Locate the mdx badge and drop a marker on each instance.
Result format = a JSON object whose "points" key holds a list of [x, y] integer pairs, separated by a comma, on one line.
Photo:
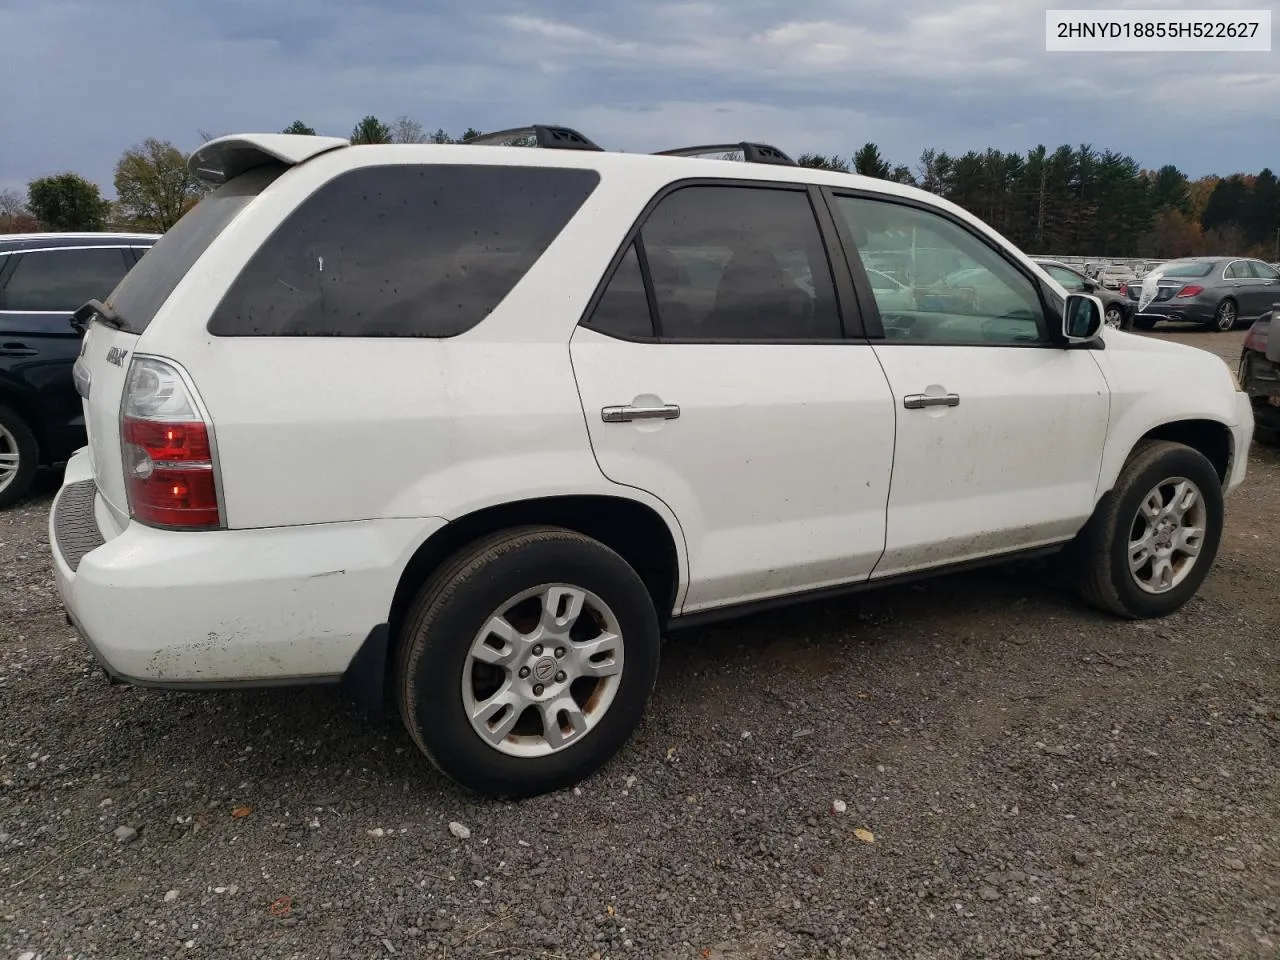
{"points": [[116, 355]]}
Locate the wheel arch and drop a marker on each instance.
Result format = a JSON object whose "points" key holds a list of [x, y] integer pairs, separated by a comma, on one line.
{"points": [[1211, 437], [17, 400], [635, 530]]}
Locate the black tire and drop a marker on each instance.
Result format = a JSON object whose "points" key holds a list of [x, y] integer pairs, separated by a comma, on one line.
{"points": [[14, 431], [1098, 559], [1227, 313], [458, 600], [1143, 323], [1123, 323]]}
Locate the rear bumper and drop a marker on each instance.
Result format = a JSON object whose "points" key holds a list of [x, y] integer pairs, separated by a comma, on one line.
{"points": [[235, 607], [1190, 312]]}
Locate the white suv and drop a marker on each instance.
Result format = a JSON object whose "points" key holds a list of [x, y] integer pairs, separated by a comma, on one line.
{"points": [[473, 425]]}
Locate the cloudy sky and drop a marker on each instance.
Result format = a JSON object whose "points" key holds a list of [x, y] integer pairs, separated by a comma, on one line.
{"points": [[85, 79]]}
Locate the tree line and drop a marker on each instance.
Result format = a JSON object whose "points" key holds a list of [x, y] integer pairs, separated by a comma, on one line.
{"points": [[1072, 200]]}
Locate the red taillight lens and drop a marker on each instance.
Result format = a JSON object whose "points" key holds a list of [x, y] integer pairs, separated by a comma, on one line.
{"points": [[1190, 290], [167, 451]]}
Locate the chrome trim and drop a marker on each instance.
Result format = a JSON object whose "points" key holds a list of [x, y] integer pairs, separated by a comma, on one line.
{"points": [[918, 401], [625, 414], [91, 246]]}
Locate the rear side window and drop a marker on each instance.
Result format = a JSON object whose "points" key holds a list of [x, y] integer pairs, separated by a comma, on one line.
{"points": [[58, 280], [414, 250], [148, 285]]}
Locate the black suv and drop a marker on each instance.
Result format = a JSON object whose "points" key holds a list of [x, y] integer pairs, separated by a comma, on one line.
{"points": [[44, 279]]}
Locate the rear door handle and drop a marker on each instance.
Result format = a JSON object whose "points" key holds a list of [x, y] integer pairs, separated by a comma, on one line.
{"points": [[624, 414], [14, 349], [917, 401]]}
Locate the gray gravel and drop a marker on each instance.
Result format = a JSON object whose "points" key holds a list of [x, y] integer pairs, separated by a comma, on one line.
{"points": [[1020, 777]]}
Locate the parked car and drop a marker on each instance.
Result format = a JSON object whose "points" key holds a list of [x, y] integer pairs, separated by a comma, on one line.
{"points": [[1217, 292], [1115, 306], [1114, 276], [483, 461], [44, 278], [1260, 375]]}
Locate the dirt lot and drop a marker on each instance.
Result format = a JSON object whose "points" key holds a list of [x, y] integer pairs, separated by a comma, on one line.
{"points": [[1036, 780]]}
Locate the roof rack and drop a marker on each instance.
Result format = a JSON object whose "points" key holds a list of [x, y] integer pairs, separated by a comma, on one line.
{"points": [[751, 152], [536, 135]]}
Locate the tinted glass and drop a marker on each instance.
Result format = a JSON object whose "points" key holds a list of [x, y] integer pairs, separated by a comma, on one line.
{"points": [[623, 309], [62, 279], [413, 250], [1067, 278], [1263, 271], [149, 284], [1197, 268], [739, 263], [954, 287], [1238, 271]]}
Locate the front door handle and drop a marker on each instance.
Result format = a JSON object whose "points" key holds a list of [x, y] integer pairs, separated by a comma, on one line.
{"points": [[624, 414], [918, 401], [15, 349]]}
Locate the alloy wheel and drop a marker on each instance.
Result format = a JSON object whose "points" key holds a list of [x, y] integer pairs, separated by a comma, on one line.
{"points": [[1166, 535]]}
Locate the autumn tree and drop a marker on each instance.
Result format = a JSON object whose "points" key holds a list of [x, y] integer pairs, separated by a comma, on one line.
{"points": [[407, 130], [299, 128], [371, 130], [67, 201], [154, 185]]}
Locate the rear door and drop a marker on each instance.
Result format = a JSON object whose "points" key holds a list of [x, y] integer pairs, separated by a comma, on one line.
{"points": [[39, 290], [1266, 287], [715, 374]]}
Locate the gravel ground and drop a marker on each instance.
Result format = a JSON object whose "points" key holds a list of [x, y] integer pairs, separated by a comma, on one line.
{"points": [[1020, 777]]}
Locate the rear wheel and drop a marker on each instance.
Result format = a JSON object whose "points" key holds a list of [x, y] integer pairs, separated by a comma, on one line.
{"points": [[19, 456], [1114, 317], [526, 661], [1225, 317], [1152, 540]]}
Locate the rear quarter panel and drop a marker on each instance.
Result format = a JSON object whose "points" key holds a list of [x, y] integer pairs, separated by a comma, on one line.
{"points": [[325, 429]]}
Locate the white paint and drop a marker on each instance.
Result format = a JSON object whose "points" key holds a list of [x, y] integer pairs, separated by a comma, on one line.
{"points": [[791, 467]]}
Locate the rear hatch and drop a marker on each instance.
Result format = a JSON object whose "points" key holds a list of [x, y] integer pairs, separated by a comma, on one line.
{"points": [[116, 333]]}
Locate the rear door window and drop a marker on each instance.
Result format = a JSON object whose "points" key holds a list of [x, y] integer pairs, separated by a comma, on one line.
{"points": [[412, 250], [57, 281]]}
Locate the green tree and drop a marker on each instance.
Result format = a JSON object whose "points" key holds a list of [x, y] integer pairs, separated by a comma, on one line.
{"points": [[371, 130], [67, 201], [469, 133], [818, 161], [154, 185], [868, 162], [1170, 190], [300, 128]]}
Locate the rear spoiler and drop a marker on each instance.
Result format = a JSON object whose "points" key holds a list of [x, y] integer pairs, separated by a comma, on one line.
{"points": [[226, 158]]}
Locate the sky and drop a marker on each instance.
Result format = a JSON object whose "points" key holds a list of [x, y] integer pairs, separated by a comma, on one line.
{"points": [[86, 79]]}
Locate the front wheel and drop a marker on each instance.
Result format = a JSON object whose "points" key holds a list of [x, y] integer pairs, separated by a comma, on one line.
{"points": [[526, 661], [1224, 319], [1153, 538]]}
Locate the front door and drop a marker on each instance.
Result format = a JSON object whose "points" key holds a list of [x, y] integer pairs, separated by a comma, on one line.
{"points": [[715, 374], [1000, 429]]}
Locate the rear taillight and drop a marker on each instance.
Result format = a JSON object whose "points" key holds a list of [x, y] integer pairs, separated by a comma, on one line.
{"points": [[167, 446], [1190, 290]]}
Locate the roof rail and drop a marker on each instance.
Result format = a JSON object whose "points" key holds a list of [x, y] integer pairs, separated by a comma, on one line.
{"points": [[542, 135], [751, 152]]}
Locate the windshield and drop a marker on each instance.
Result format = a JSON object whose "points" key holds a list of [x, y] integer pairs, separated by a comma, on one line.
{"points": [[146, 287]]}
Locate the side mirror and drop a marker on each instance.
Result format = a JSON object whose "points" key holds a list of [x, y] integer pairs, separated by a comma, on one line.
{"points": [[1081, 318]]}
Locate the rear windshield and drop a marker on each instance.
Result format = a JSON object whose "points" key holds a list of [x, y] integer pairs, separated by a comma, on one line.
{"points": [[404, 250], [147, 286], [1193, 269]]}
